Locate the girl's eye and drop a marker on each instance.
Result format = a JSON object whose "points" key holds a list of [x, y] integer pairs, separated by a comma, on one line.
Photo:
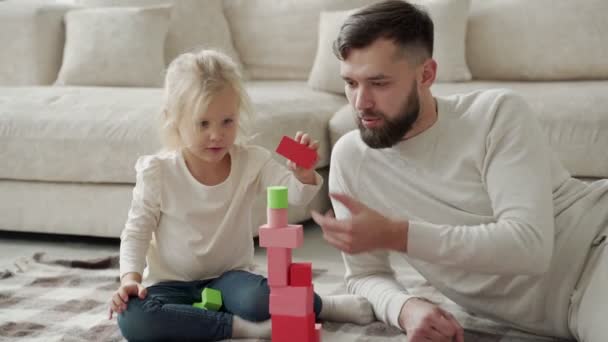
{"points": [[228, 121], [204, 124]]}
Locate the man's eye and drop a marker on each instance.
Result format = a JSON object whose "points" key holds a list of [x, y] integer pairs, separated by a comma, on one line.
{"points": [[379, 84], [350, 83]]}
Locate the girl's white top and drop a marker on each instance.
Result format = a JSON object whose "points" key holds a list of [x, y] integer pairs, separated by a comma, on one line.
{"points": [[180, 229]]}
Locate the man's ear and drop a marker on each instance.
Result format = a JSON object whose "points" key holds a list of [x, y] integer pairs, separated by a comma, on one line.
{"points": [[428, 73]]}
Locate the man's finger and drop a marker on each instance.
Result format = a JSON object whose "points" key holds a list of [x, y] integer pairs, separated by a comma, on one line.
{"points": [[110, 313], [444, 326], [350, 203], [330, 224], [336, 242], [459, 337]]}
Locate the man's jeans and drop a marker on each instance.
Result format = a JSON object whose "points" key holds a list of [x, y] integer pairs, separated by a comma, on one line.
{"points": [[167, 312]]}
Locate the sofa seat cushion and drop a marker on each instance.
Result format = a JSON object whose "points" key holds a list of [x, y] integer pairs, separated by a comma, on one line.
{"points": [[574, 116], [94, 134]]}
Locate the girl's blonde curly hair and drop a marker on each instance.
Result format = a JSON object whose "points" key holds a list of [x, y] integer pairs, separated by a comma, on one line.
{"points": [[191, 82]]}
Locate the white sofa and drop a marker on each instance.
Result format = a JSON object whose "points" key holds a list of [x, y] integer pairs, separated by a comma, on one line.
{"points": [[67, 152]]}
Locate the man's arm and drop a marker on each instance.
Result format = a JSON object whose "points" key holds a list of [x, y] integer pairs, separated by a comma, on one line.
{"points": [[516, 173]]}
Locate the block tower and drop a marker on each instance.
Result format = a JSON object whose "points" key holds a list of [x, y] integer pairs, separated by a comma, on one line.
{"points": [[291, 289]]}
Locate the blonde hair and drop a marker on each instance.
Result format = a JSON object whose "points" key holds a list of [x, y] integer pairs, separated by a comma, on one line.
{"points": [[191, 82]]}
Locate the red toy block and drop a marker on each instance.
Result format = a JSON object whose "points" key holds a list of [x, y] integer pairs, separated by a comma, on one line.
{"points": [[291, 301], [278, 260], [318, 332], [277, 218], [300, 274], [291, 236], [293, 329], [300, 154]]}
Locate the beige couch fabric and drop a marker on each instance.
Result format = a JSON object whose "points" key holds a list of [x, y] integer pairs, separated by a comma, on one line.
{"points": [[572, 114], [278, 39], [194, 24], [95, 134], [115, 47], [538, 40], [32, 39]]}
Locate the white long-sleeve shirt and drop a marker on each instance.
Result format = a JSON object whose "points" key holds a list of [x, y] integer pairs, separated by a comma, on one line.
{"points": [[180, 229], [496, 222]]}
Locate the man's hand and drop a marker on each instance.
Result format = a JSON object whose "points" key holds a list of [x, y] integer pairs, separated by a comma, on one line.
{"points": [[425, 321], [364, 231]]}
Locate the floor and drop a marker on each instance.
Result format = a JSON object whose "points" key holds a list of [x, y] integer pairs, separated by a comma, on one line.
{"points": [[14, 245]]}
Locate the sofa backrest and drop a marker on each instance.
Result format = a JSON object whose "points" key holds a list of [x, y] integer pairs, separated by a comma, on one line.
{"points": [[32, 38], [277, 39], [538, 40]]}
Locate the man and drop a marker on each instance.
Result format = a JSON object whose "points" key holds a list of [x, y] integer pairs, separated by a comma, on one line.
{"points": [[465, 188]]}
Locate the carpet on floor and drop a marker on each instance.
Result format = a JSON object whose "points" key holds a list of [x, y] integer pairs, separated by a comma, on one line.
{"points": [[44, 298]]}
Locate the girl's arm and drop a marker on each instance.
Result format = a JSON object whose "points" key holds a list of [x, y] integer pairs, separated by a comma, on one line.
{"points": [[142, 220]]}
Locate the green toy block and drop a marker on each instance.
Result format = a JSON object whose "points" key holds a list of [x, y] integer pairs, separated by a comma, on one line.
{"points": [[211, 300], [277, 197]]}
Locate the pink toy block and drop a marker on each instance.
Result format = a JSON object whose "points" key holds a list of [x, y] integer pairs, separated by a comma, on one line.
{"points": [[291, 236], [293, 329], [291, 301], [278, 260], [318, 332], [300, 274], [300, 154], [277, 218]]}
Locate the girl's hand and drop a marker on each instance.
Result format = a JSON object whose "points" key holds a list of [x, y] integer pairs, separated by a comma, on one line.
{"points": [[120, 298], [306, 176]]}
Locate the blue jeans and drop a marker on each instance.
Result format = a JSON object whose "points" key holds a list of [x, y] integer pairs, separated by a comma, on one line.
{"points": [[167, 313]]}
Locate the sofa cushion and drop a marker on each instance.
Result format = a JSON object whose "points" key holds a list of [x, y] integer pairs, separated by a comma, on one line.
{"points": [[450, 24], [32, 37], [574, 115], [288, 30], [95, 134], [538, 40], [100, 48], [194, 24]]}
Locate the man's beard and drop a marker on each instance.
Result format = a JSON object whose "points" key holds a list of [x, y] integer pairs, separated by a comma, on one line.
{"points": [[391, 131]]}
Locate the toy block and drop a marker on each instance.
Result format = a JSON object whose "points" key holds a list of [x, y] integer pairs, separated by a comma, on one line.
{"points": [[278, 260], [318, 332], [211, 300], [300, 154], [293, 329], [300, 274], [291, 301], [276, 197], [276, 218], [291, 236]]}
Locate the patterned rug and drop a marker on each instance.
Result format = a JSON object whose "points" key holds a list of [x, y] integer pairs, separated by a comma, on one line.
{"points": [[49, 299]]}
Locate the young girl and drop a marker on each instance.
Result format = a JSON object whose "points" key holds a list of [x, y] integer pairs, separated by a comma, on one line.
{"points": [[189, 223]]}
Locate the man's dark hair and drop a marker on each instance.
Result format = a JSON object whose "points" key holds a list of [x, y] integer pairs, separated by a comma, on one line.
{"points": [[408, 26]]}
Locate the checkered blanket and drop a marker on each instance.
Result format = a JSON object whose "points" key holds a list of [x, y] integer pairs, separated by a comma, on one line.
{"points": [[48, 299]]}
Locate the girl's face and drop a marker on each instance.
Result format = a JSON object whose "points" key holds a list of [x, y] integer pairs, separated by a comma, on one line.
{"points": [[215, 130]]}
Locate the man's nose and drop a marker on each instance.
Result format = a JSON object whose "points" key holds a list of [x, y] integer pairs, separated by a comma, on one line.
{"points": [[363, 99]]}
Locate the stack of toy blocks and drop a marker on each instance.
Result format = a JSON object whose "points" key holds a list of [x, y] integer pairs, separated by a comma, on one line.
{"points": [[291, 290]]}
